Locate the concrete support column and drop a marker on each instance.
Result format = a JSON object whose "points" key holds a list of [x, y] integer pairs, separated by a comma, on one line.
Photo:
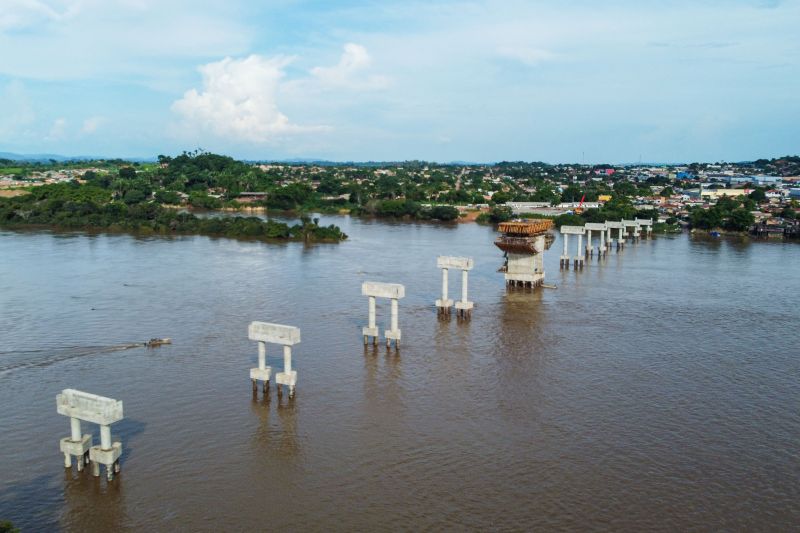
{"points": [[371, 311], [75, 429], [444, 284], [464, 283], [395, 314], [589, 249], [565, 255], [288, 377], [601, 250], [105, 437], [262, 355], [579, 257], [287, 358]]}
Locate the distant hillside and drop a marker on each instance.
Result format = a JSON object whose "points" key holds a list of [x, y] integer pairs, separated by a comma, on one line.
{"points": [[45, 158]]}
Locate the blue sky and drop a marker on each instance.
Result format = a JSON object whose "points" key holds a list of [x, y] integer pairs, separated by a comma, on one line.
{"points": [[593, 81]]}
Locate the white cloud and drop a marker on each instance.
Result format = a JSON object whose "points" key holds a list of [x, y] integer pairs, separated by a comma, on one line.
{"points": [[142, 41], [349, 72], [57, 130], [18, 14], [91, 124], [238, 100]]}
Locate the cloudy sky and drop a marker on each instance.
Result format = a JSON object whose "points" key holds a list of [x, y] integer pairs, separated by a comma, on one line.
{"points": [[567, 80]]}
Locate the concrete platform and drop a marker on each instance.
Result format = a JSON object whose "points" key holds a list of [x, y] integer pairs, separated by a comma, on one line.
{"points": [[78, 449]]}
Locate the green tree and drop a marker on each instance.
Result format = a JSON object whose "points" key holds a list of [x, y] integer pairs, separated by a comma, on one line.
{"points": [[500, 197], [133, 196], [127, 173], [758, 195], [740, 220]]}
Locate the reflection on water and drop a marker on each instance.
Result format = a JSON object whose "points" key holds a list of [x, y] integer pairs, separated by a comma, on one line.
{"points": [[654, 389]]}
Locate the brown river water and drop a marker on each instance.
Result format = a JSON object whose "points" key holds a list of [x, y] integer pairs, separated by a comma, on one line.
{"points": [[656, 390]]}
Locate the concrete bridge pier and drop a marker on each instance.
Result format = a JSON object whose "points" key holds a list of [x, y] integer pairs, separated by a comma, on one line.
{"points": [[444, 304], [394, 333], [579, 256], [286, 336], [601, 250], [393, 291], [288, 377], [262, 372], [589, 248], [106, 454], [565, 255], [464, 306], [371, 330], [87, 407]]}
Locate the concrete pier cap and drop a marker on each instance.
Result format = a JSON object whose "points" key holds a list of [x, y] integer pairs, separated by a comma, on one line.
{"points": [[273, 333], [572, 230], [595, 226], [383, 290], [89, 407], [455, 263]]}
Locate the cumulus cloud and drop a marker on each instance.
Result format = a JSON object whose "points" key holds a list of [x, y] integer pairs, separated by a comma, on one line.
{"points": [[91, 124], [238, 100], [57, 130], [350, 71]]}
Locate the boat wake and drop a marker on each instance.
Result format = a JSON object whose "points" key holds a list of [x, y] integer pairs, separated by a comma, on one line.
{"points": [[11, 361]]}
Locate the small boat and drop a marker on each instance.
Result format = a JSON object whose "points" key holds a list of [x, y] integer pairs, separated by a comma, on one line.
{"points": [[714, 233], [155, 343]]}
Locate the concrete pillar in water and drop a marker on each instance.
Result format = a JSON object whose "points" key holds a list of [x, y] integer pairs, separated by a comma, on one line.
{"points": [[589, 248], [444, 304], [613, 225], [464, 306], [286, 336], [566, 231], [263, 372], [601, 228], [288, 377], [76, 444], [601, 251], [393, 291], [371, 330], [83, 406], [647, 224]]}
